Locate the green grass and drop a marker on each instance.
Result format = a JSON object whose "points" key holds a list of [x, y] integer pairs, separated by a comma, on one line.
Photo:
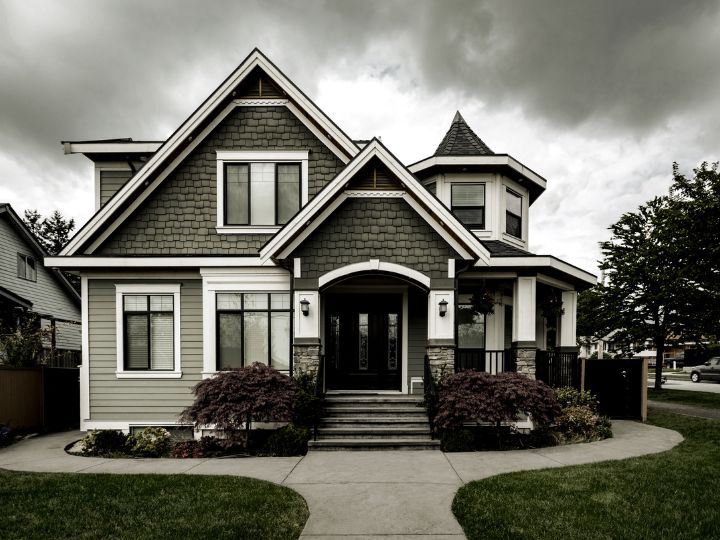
{"points": [[84, 506], [670, 495], [686, 397]]}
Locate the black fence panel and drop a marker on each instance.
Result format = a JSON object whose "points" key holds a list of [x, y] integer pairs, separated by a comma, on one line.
{"points": [[484, 360], [618, 385], [61, 389], [557, 369]]}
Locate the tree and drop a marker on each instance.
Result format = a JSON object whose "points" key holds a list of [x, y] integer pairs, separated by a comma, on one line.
{"points": [[52, 233]]}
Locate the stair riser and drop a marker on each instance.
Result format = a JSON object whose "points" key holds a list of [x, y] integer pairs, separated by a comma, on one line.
{"points": [[377, 410], [343, 448], [372, 436], [372, 425]]}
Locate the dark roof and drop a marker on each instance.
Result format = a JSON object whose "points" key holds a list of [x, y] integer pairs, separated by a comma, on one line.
{"points": [[15, 298], [497, 248], [460, 140]]}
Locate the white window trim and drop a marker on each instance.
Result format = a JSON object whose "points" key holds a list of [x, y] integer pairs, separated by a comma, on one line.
{"points": [[157, 288], [271, 156]]}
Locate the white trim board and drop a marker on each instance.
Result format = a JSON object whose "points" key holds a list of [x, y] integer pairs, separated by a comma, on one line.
{"points": [[155, 262], [546, 261], [377, 266], [186, 132]]}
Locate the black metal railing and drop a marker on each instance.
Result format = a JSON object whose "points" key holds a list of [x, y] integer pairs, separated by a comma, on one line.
{"points": [[558, 369], [484, 360], [319, 390], [430, 391]]}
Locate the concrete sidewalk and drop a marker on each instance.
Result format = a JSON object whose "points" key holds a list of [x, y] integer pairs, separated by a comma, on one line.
{"points": [[360, 494]]}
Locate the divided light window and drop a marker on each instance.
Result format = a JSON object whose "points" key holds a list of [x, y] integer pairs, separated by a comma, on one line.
{"points": [[148, 324], [513, 213], [26, 267], [468, 204], [261, 193], [253, 327]]}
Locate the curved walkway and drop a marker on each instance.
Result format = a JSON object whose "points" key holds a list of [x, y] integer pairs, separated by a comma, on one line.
{"points": [[360, 494]]}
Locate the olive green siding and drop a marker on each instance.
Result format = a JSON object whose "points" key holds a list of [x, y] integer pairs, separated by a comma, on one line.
{"points": [[180, 217], [140, 399], [388, 229], [417, 333], [111, 182]]}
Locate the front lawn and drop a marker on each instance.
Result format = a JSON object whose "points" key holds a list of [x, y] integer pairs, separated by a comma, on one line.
{"points": [[83, 506], [668, 495], [686, 397]]}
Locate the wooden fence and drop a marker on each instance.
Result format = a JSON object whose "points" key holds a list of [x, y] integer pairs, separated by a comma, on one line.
{"points": [[40, 398]]}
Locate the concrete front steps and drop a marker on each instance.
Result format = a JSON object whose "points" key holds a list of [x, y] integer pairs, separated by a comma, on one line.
{"points": [[373, 422]]}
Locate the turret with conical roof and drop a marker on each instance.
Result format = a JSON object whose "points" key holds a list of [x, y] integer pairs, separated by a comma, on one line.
{"points": [[460, 140]]}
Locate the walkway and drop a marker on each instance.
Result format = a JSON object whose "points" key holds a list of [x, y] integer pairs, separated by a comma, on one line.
{"points": [[686, 410], [360, 494]]}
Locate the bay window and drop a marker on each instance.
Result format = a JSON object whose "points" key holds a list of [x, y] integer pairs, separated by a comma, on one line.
{"points": [[468, 204], [513, 213]]}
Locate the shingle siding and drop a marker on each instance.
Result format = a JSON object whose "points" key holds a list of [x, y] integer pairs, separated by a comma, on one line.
{"points": [[367, 228], [180, 217]]}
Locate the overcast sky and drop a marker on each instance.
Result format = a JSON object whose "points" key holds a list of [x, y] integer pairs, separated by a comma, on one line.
{"points": [[598, 97]]}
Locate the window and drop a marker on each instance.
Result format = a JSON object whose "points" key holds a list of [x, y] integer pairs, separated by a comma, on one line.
{"points": [[26, 267], [260, 191], [148, 331], [468, 204], [471, 327], [513, 213], [253, 327]]}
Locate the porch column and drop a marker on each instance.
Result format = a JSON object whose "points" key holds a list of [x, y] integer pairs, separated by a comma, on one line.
{"points": [[441, 332], [524, 318], [306, 332], [568, 321]]}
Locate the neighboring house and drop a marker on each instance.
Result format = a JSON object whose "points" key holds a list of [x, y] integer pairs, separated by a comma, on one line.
{"points": [[26, 285], [260, 232]]}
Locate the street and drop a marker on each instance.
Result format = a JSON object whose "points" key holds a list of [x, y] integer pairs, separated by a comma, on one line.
{"points": [[674, 384]]}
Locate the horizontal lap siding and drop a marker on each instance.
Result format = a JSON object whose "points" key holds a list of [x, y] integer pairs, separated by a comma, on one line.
{"points": [[111, 182], [140, 399], [417, 333]]}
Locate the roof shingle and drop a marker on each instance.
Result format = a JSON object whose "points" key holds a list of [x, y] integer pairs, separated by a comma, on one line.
{"points": [[460, 140]]}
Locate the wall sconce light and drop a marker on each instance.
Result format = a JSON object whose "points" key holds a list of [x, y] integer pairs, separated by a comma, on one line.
{"points": [[442, 305], [305, 306]]}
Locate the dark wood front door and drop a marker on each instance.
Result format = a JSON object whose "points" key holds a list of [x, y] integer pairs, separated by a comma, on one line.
{"points": [[362, 341]]}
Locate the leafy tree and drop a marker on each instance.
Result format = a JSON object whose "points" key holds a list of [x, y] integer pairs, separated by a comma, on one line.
{"points": [[52, 232]]}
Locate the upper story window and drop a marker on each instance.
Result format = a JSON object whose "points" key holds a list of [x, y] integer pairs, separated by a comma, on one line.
{"points": [[260, 191], [26, 268], [468, 204], [513, 213]]}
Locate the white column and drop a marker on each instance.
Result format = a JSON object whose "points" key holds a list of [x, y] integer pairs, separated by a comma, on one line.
{"points": [[307, 326], [441, 328], [524, 316], [568, 319]]}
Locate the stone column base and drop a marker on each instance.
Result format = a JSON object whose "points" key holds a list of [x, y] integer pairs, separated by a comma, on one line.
{"points": [[442, 360], [306, 357], [525, 360]]}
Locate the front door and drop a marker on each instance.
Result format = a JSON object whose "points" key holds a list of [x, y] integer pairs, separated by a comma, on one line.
{"points": [[363, 337]]}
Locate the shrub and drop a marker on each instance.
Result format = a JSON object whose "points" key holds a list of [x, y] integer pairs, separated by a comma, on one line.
{"points": [[103, 442], [187, 449], [6, 436], [307, 409], [234, 399], [23, 345], [457, 440], [579, 423], [471, 396], [570, 397], [290, 440], [150, 442]]}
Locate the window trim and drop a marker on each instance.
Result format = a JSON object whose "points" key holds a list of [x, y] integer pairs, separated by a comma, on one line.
{"points": [[122, 289], [471, 226], [513, 192], [242, 311], [277, 157], [25, 260]]}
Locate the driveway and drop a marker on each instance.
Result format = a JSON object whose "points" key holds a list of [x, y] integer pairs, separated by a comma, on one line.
{"points": [[389, 494]]}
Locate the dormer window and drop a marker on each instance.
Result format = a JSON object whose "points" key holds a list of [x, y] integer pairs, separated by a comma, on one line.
{"points": [[468, 204], [258, 192], [513, 213]]}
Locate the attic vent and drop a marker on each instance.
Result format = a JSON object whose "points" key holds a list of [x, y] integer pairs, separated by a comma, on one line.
{"points": [[258, 85], [375, 176]]}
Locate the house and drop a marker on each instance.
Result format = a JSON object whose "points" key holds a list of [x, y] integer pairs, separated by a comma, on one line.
{"points": [[28, 286], [260, 232]]}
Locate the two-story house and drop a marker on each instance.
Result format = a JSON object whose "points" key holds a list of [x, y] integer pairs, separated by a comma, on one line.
{"points": [[260, 232]]}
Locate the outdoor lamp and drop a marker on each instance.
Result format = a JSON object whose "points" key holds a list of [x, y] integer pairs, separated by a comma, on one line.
{"points": [[305, 306], [443, 307]]}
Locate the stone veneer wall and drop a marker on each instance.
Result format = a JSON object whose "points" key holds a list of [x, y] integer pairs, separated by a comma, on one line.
{"points": [[525, 361], [306, 358], [441, 360]]}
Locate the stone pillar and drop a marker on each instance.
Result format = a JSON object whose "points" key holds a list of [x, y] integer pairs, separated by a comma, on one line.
{"points": [[525, 360], [306, 355], [306, 332], [524, 327], [441, 358]]}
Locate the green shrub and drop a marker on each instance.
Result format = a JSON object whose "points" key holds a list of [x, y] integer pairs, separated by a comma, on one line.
{"points": [[307, 408], [579, 423], [570, 397], [457, 440], [150, 442], [104, 442], [290, 440]]}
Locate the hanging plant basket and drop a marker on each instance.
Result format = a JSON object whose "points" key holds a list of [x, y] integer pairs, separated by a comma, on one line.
{"points": [[551, 306], [482, 301]]}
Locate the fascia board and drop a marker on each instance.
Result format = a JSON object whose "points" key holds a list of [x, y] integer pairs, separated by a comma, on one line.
{"points": [[545, 261], [151, 262]]}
